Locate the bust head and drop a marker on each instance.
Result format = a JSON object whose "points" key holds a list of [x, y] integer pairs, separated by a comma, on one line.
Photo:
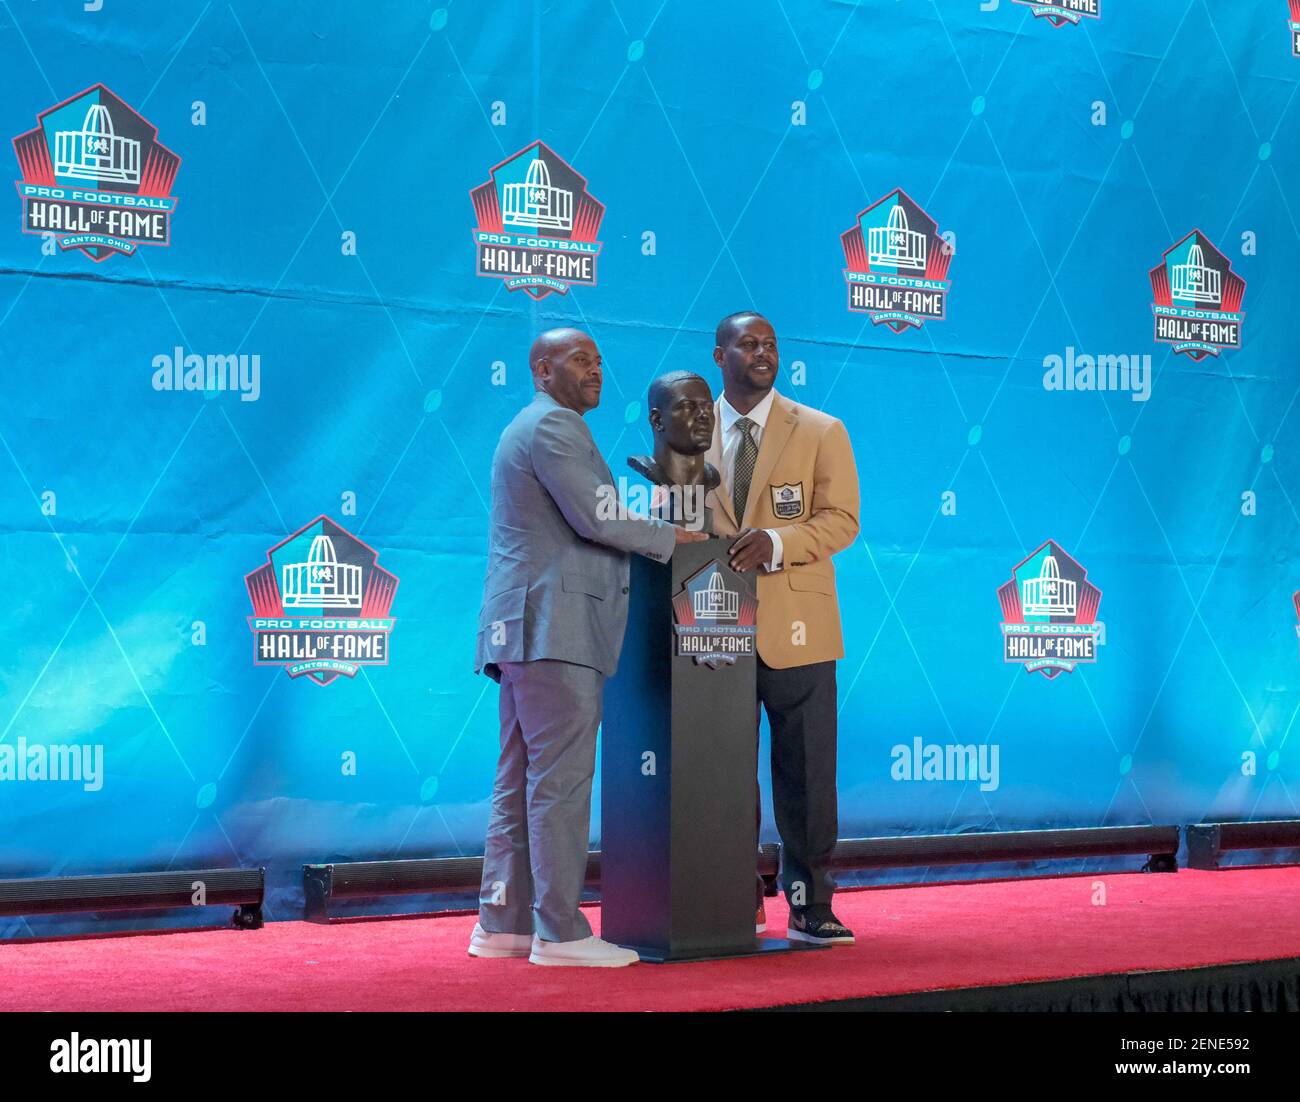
{"points": [[681, 418], [681, 413]]}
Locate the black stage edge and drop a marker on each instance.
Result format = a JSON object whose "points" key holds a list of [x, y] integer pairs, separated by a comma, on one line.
{"points": [[170, 889], [679, 768], [351, 881], [1158, 843], [327, 884], [1265, 986], [1207, 842]]}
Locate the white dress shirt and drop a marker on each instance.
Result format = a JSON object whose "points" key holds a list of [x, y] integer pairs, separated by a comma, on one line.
{"points": [[731, 438]]}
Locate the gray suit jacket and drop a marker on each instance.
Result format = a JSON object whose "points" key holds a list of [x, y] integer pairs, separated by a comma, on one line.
{"points": [[557, 574]]}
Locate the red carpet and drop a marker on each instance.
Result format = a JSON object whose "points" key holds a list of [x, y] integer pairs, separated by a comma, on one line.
{"points": [[909, 939]]}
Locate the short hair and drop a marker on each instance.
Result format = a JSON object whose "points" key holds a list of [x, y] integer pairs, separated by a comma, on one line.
{"points": [[658, 394], [728, 325]]}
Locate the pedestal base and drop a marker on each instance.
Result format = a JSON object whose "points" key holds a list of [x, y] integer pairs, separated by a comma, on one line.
{"points": [[679, 764], [761, 945]]}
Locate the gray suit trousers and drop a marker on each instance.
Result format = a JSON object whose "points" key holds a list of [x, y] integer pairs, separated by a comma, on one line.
{"points": [[535, 856]]}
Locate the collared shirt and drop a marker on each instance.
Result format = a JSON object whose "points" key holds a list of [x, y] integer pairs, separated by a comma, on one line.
{"points": [[731, 438]]}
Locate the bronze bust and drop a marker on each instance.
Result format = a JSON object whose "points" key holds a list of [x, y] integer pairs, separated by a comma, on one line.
{"points": [[681, 419]]}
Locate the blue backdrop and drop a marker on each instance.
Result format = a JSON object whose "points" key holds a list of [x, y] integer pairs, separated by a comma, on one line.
{"points": [[322, 227]]}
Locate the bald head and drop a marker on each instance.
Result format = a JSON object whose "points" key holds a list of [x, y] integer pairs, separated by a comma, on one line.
{"points": [[554, 342], [566, 364]]}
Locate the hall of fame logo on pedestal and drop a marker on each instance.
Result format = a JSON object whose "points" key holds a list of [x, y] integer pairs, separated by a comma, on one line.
{"points": [[96, 177], [1062, 12], [1049, 613], [897, 264], [715, 616], [537, 224], [1197, 298], [320, 604], [1294, 25]]}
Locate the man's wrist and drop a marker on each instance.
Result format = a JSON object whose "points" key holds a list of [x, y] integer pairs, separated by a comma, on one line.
{"points": [[778, 550]]}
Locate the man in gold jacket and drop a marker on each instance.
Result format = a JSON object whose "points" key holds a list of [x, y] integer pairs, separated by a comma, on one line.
{"points": [[790, 492]]}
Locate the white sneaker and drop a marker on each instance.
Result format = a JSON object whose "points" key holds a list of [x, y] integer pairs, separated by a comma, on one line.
{"points": [[484, 944], [589, 952]]}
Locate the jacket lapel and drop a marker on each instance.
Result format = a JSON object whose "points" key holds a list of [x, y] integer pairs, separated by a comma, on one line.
{"points": [[780, 424]]}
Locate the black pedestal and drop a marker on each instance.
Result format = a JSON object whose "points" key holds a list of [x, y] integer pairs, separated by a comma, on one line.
{"points": [[679, 753]]}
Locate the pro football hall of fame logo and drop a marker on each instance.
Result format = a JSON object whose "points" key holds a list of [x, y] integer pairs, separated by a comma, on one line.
{"points": [[537, 224], [715, 616], [897, 264], [96, 176], [1049, 613], [1062, 12], [1197, 298], [320, 604]]}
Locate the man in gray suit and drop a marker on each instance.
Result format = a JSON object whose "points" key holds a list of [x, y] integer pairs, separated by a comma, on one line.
{"points": [[550, 631]]}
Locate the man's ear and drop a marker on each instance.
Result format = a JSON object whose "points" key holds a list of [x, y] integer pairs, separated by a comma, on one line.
{"points": [[656, 420], [718, 353]]}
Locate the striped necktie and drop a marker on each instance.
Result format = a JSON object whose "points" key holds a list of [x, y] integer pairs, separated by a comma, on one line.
{"points": [[746, 455]]}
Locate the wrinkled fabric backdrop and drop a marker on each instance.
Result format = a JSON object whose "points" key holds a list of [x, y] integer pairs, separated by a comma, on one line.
{"points": [[323, 223]]}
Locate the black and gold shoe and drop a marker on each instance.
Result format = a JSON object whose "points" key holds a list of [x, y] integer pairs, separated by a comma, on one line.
{"points": [[818, 926]]}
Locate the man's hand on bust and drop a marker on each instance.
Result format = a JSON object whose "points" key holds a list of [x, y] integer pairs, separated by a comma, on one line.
{"points": [[752, 549], [685, 535]]}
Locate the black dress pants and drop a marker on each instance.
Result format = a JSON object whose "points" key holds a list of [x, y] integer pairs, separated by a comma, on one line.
{"points": [[801, 705]]}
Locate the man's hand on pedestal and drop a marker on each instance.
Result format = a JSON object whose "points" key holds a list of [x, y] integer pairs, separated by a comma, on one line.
{"points": [[751, 550], [685, 535]]}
